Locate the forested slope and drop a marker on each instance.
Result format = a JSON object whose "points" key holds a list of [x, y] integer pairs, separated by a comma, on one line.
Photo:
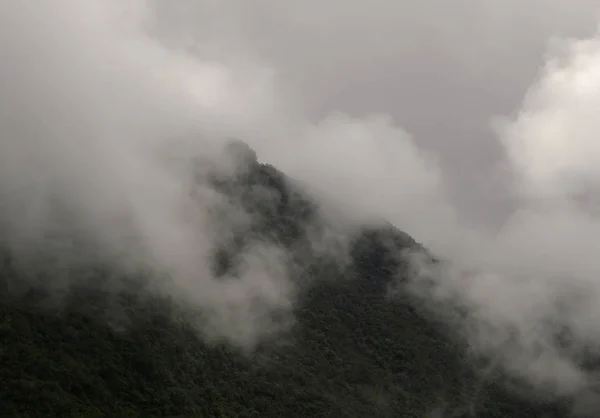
{"points": [[352, 351]]}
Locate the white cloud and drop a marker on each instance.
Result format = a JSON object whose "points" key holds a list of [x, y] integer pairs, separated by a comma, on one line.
{"points": [[553, 143], [93, 92], [90, 102]]}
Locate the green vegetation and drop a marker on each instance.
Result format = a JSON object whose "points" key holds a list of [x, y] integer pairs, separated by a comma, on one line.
{"points": [[352, 352]]}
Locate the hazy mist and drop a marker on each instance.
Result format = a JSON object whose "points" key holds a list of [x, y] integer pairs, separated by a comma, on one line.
{"points": [[462, 125]]}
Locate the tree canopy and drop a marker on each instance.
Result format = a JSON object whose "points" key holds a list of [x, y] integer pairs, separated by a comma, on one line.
{"points": [[351, 352]]}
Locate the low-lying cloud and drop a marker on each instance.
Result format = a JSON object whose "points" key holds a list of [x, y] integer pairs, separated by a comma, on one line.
{"points": [[99, 100], [531, 287], [100, 124]]}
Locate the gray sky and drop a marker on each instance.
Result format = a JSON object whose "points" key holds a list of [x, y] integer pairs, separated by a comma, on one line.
{"points": [[440, 69]]}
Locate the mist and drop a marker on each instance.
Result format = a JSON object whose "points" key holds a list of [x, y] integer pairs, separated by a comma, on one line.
{"points": [[103, 106], [100, 128], [528, 275]]}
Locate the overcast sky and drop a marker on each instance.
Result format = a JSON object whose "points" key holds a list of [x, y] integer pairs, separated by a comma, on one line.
{"points": [[441, 69]]}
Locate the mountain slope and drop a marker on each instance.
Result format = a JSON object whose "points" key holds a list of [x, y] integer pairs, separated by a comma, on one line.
{"points": [[352, 351]]}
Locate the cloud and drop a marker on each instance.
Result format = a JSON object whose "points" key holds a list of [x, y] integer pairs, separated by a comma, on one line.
{"points": [[101, 102], [552, 145], [368, 166], [530, 285], [92, 106], [533, 291], [103, 109], [533, 279]]}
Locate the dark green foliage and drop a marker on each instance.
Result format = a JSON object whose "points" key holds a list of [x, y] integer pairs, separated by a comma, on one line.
{"points": [[351, 353]]}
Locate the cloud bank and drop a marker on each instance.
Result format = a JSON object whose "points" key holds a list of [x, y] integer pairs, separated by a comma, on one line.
{"points": [[94, 93], [532, 287], [99, 125]]}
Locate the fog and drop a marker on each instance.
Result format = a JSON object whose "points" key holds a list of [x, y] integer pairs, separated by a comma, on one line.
{"points": [[95, 115], [472, 127]]}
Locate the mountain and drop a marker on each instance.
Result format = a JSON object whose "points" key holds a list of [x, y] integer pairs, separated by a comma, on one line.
{"points": [[352, 350]]}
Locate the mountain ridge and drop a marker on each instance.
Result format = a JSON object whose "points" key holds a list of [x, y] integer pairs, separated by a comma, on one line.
{"points": [[349, 350]]}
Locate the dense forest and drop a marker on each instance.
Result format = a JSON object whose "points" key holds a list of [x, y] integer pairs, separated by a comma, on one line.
{"points": [[351, 351]]}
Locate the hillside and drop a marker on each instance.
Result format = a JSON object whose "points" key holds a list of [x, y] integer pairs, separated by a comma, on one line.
{"points": [[352, 352]]}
